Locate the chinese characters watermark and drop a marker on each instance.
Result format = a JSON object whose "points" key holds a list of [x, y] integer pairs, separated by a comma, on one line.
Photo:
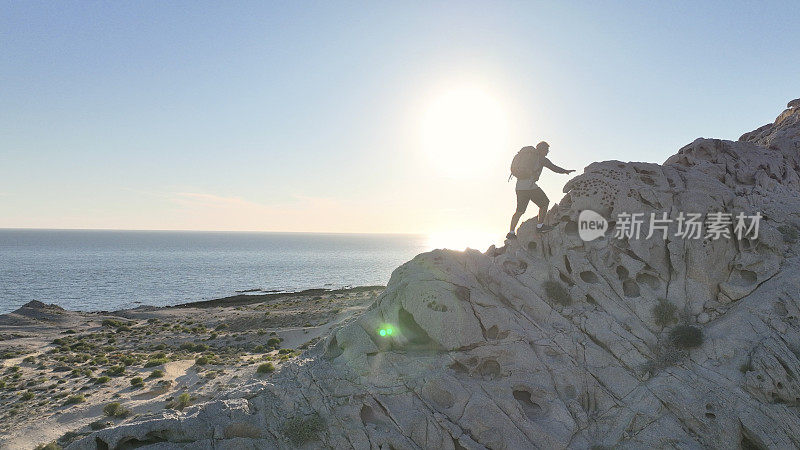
{"points": [[714, 226]]}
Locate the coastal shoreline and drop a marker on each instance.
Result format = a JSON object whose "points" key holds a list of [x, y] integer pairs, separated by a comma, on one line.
{"points": [[61, 369]]}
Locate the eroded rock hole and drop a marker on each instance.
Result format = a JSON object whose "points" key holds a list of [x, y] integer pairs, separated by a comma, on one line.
{"points": [[649, 280], [489, 368], [589, 277], [462, 293], [333, 351], [458, 367], [531, 409], [748, 276], [630, 288], [368, 415], [571, 228], [411, 330]]}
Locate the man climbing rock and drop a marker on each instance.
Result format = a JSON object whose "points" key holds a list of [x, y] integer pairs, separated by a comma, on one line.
{"points": [[527, 167]]}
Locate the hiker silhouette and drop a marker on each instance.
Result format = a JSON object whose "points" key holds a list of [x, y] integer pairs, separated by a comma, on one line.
{"points": [[526, 167]]}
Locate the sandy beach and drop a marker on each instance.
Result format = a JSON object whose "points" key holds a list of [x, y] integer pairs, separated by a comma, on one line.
{"points": [[64, 373]]}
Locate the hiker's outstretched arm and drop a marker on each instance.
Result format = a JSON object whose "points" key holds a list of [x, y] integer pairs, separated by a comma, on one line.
{"points": [[549, 164]]}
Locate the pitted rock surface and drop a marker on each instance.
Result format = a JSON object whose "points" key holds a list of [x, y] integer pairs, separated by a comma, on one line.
{"points": [[488, 351]]}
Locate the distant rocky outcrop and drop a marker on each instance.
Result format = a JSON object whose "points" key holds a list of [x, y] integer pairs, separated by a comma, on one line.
{"points": [[33, 312], [554, 342]]}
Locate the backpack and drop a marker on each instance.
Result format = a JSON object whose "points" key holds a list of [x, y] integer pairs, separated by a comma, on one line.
{"points": [[527, 163]]}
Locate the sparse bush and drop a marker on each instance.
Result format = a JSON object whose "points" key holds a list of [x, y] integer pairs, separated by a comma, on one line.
{"points": [[265, 368], [115, 409], [98, 425], [156, 374], [556, 292], [274, 341], [116, 370], [156, 362], [27, 395], [102, 380], [74, 400], [183, 401], [201, 361], [300, 430], [50, 446], [664, 313], [686, 336], [284, 351], [137, 382]]}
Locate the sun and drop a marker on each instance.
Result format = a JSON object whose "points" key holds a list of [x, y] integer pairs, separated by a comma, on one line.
{"points": [[463, 130]]}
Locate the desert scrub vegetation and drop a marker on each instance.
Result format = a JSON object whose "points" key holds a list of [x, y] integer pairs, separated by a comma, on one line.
{"points": [[115, 409], [686, 336], [74, 399], [266, 367], [51, 446], [156, 359], [158, 373], [299, 430], [557, 293], [194, 347], [137, 382], [664, 313], [181, 402], [115, 371]]}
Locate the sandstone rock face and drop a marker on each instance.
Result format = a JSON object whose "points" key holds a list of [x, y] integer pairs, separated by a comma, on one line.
{"points": [[556, 342]]}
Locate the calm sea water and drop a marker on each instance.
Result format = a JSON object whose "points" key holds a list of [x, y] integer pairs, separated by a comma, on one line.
{"points": [[107, 270]]}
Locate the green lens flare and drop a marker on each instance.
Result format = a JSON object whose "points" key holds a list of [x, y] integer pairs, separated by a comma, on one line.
{"points": [[383, 332], [389, 331]]}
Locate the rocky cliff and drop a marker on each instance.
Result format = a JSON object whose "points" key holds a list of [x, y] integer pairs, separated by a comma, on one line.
{"points": [[554, 342]]}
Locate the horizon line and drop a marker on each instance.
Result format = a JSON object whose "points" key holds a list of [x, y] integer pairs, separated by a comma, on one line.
{"points": [[212, 231]]}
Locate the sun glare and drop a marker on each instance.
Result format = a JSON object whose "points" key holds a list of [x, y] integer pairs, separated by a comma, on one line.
{"points": [[463, 130], [460, 240]]}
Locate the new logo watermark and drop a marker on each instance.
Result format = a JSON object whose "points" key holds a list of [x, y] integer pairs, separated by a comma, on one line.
{"points": [[592, 225]]}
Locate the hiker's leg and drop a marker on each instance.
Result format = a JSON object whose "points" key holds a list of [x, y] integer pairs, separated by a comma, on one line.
{"points": [[540, 198], [515, 220], [522, 205]]}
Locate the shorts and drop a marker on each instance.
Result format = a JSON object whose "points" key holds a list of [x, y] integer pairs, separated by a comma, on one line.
{"points": [[533, 195]]}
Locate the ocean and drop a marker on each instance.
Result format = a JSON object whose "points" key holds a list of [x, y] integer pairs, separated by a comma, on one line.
{"points": [[107, 270]]}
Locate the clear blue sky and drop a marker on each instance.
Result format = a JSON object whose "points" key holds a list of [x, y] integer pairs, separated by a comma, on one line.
{"points": [[306, 116]]}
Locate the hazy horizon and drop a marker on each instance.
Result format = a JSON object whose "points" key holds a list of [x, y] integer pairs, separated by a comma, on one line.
{"points": [[360, 117]]}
